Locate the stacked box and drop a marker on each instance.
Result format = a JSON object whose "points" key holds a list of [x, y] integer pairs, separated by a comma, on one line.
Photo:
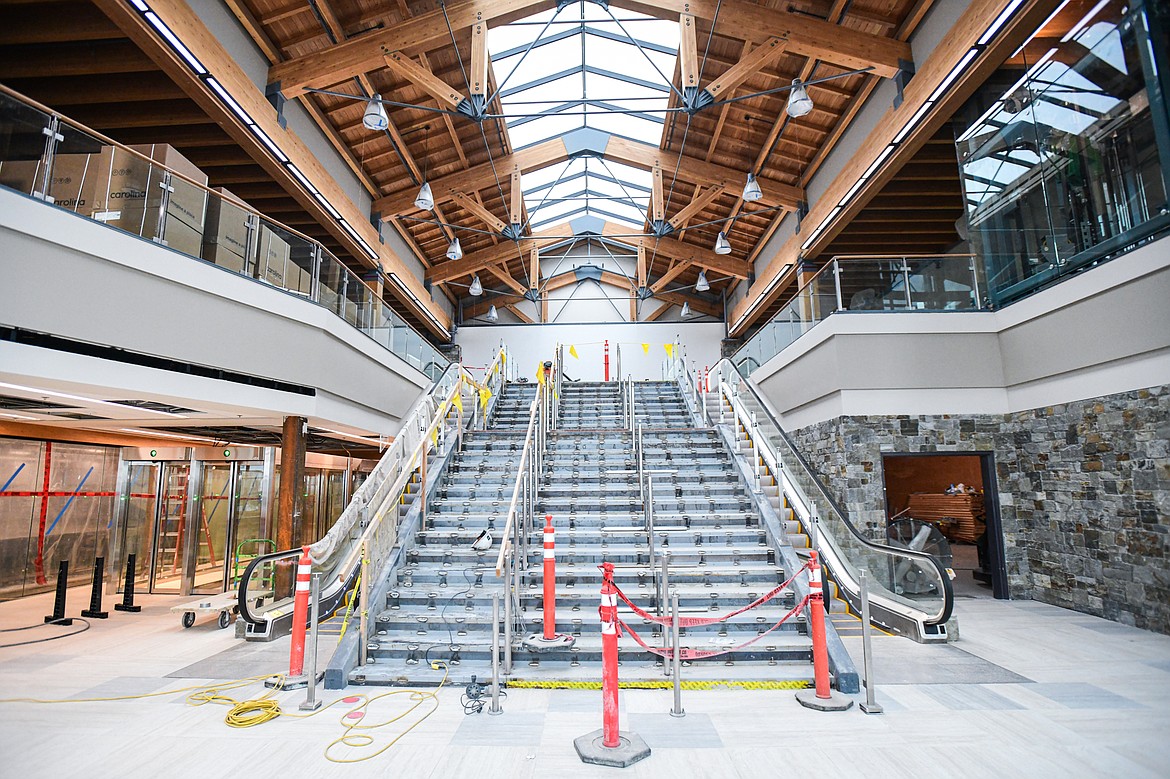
{"points": [[128, 194], [71, 184], [225, 241], [274, 258]]}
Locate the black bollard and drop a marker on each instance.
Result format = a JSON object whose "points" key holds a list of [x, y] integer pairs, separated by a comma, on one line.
{"points": [[58, 615], [127, 603], [95, 594]]}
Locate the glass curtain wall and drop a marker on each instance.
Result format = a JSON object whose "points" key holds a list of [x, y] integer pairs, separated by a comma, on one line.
{"points": [[1064, 152]]}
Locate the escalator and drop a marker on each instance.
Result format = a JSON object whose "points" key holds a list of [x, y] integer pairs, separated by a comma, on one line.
{"points": [[365, 536], [910, 590]]}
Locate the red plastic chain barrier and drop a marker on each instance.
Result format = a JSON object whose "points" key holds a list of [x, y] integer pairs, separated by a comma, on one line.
{"points": [[698, 654], [694, 622]]}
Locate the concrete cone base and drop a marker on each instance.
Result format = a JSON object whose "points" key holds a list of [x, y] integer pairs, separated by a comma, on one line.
{"points": [[591, 749], [835, 702]]}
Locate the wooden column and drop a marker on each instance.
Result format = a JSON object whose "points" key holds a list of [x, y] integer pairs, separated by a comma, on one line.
{"points": [[290, 508]]}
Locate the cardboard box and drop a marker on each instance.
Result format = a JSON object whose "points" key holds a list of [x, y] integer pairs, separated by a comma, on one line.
{"points": [[127, 191], [181, 237], [225, 240], [273, 258], [71, 183]]}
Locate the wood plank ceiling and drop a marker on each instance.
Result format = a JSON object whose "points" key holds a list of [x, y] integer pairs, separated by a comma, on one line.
{"points": [[751, 135]]}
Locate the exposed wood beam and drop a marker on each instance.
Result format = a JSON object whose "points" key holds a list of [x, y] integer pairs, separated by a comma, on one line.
{"points": [[519, 314], [364, 53], [476, 177], [657, 203], [697, 303], [479, 54], [641, 266], [806, 35], [747, 66], [657, 313], [501, 273], [516, 194], [698, 255], [401, 65], [633, 305], [696, 205], [480, 212], [534, 267], [688, 52], [634, 153], [670, 276]]}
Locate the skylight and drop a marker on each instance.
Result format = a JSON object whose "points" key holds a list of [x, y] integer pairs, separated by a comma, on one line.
{"points": [[584, 69]]}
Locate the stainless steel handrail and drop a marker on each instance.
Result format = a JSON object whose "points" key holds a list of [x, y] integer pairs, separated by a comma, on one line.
{"points": [[889, 605]]}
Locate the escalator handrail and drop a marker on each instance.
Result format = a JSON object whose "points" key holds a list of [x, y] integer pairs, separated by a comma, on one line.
{"points": [[242, 593], [918, 556]]}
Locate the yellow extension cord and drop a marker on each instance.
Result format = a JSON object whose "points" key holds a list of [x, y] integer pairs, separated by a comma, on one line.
{"points": [[257, 711]]}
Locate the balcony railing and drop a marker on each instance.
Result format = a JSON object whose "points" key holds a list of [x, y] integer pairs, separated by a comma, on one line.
{"points": [[853, 283], [156, 195]]}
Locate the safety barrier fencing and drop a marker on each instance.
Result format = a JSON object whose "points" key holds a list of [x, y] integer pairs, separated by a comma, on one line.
{"points": [[362, 540], [911, 590]]}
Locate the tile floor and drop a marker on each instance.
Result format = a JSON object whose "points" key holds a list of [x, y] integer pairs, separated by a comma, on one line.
{"points": [[1030, 690]]}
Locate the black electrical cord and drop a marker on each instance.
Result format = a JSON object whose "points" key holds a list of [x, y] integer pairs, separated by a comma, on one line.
{"points": [[41, 640]]}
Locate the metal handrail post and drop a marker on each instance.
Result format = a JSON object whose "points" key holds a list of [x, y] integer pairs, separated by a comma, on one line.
{"points": [[311, 703], [677, 711], [906, 280], [665, 579], [648, 508], [495, 707], [508, 580], [870, 704], [364, 626]]}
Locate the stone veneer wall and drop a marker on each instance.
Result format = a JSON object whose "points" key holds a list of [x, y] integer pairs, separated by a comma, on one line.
{"points": [[1084, 493]]}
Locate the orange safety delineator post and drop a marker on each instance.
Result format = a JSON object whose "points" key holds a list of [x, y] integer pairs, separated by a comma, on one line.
{"points": [[550, 638], [823, 698], [607, 359], [609, 746], [296, 656], [550, 579]]}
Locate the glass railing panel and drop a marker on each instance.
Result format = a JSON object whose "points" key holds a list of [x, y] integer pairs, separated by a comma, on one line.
{"points": [[127, 191], [76, 168], [907, 579], [943, 284], [184, 220], [229, 235], [331, 286], [22, 146], [282, 257], [358, 298]]}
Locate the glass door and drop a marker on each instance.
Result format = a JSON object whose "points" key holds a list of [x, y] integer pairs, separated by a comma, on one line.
{"points": [[211, 535], [249, 538], [141, 500], [171, 523]]}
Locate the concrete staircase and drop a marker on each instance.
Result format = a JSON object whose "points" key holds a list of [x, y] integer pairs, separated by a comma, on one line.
{"points": [[720, 558]]}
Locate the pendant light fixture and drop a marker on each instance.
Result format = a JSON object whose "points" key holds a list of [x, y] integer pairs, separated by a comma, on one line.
{"points": [[455, 251], [702, 285], [425, 200], [799, 103], [476, 289], [375, 117], [751, 190], [721, 244], [686, 309], [492, 315]]}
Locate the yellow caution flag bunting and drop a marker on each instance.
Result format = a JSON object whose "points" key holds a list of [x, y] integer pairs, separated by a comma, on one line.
{"points": [[458, 401], [669, 350], [573, 351], [485, 395], [645, 348], [540, 373]]}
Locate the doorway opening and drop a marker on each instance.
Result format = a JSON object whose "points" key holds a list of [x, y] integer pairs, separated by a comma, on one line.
{"points": [[947, 504]]}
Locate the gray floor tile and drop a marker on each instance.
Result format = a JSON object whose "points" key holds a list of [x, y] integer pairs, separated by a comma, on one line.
{"points": [[1079, 695], [507, 729], [693, 731]]}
